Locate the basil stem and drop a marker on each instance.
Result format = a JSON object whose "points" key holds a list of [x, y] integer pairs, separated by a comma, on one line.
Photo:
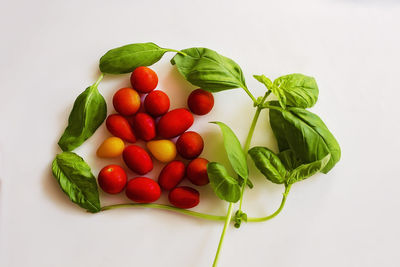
{"points": [[166, 207], [221, 240], [248, 140], [269, 217]]}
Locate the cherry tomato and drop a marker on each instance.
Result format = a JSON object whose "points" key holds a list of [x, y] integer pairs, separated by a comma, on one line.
{"points": [[112, 179], [126, 101], [144, 79], [184, 197], [111, 147], [174, 123], [172, 174], [189, 145], [137, 159], [200, 102], [145, 126], [119, 126], [156, 103], [196, 171], [143, 190]]}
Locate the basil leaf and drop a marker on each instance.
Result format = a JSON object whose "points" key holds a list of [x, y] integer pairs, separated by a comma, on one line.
{"points": [[305, 134], [269, 164], [224, 186], [88, 113], [289, 159], [126, 58], [76, 180], [209, 70], [263, 79], [248, 182], [234, 150], [309, 169], [296, 90]]}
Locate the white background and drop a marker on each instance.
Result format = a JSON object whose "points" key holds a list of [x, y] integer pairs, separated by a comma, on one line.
{"points": [[349, 217]]}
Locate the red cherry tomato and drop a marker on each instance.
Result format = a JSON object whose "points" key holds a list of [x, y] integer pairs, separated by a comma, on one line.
{"points": [[112, 179], [184, 197], [156, 103], [126, 101], [120, 127], [172, 174], [144, 79], [143, 190], [200, 102], [196, 171], [137, 159], [174, 123], [190, 145], [145, 126]]}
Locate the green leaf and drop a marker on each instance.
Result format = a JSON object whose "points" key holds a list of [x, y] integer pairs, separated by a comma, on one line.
{"points": [[269, 164], [234, 150], [263, 79], [289, 159], [248, 182], [209, 70], [296, 90], [224, 186], [305, 134], [76, 180], [126, 58], [309, 169], [88, 113]]}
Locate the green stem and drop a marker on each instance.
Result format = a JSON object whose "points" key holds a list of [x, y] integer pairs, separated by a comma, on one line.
{"points": [[221, 240], [269, 217], [166, 207], [176, 51], [98, 80], [248, 141], [249, 93], [266, 105]]}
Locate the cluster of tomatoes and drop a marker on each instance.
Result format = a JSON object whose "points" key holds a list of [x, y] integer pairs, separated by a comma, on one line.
{"points": [[152, 122]]}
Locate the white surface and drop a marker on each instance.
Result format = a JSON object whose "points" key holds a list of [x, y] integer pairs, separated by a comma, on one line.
{"points": [[350, 217]]}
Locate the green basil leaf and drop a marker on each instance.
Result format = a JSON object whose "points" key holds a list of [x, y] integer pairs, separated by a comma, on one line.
{"points": [[88, 113], [269, 164], [234, 150], [76, 180], [248, 182], [126, 58], [209, 70], [296, 90], [305, 134], [289, 159], [263, 79], [224, 186], [309, 169]]}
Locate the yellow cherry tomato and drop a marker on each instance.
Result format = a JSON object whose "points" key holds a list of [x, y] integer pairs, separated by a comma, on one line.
{"points": [[162, 150], [111, 147]]}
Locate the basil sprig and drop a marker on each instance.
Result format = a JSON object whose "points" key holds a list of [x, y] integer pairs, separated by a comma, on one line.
{"points": [[225, 186], [88, 113], [271, 166], [305, 134], [76, 180], [296, 90], [209, 70], [126, 58]]}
